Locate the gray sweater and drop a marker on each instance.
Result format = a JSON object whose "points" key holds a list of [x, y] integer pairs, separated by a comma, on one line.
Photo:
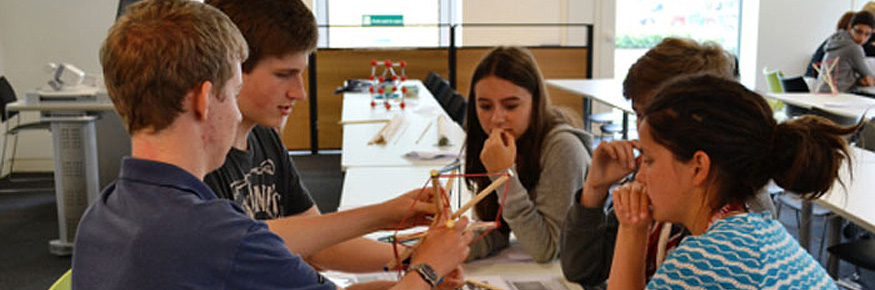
{"points": [[537, 222], [852, 64]]}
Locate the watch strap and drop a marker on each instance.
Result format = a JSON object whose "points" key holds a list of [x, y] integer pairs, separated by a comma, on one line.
{"points": [[426, 272]]}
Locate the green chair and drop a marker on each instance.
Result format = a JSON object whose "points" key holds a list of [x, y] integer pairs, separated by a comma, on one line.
{"points": [[773, 80], [63, 283]]}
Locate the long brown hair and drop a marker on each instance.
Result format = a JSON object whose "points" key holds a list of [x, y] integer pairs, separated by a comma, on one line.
{"points": [[735, 127], [518, 66]]}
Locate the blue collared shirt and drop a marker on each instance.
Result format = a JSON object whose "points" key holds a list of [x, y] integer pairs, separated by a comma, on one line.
{"points": [[159, 227]]}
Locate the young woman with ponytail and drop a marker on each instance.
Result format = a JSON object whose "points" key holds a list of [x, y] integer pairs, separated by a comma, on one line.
{"points": [[589, 232], [708, 144]]}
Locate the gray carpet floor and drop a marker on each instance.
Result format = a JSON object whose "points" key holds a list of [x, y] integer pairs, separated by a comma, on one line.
{"points": [[28, 221]]}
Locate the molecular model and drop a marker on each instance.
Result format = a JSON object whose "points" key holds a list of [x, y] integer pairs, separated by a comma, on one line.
{"points": [[386, 86]]}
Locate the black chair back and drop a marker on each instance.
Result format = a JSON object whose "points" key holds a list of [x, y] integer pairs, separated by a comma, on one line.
{"points": [[443, 92], [795, 85], [431, 81], [456, 108], [7, 95]]}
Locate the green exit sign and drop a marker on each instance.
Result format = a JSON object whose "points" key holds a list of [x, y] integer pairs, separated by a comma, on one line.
{"points": [[382, 20]]}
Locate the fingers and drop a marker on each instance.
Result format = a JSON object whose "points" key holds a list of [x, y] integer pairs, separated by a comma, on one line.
{"points": [[642, 203], [507, 139], [632, 205], [622, 151], [454, 279]]}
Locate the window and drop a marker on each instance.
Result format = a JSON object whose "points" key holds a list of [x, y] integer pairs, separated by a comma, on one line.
{"points": [[381, 23], [641, 24]]}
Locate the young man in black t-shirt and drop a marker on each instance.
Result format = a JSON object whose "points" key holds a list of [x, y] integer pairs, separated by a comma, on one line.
{"points": [[258, 174]]}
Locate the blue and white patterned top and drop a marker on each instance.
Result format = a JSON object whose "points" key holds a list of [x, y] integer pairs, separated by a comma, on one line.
{"points": [[746, 251]]}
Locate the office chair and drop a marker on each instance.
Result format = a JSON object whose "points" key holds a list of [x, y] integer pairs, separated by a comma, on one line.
{"points": [[607, 122], [773, 80], [860, 253], [783, 199], [456, 108], [432, 81], [442, 93], [7, 96]]}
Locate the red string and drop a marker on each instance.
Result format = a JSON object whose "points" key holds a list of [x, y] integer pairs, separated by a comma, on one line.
{"points": [[446, 209]]}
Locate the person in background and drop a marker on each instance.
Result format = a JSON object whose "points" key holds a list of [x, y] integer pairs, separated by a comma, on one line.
{"points": [[843, 23], [844, 45], [707, 145], [589, 233], [512, 126], [173, 71], [869, 46]]}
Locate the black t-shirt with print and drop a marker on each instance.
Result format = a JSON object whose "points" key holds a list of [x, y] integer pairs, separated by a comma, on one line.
{"points": [[263, 180]]}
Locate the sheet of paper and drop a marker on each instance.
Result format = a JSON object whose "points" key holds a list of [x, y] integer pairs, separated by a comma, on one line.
{"points": [[529, 282]]}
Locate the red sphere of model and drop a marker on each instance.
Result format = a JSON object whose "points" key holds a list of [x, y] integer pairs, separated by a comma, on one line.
{"points": [[403, 78], [373, 104], [403, 105], [374, 62], [388, 106], [404, 90], [388, 63], [382, 79], [381, 91], [403, 63]]}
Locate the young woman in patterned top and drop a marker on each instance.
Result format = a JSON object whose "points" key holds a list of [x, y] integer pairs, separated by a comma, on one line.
{"points": [[707, 145]]}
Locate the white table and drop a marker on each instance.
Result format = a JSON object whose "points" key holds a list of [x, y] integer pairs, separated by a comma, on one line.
{"points": [[370, 185], [80, 170], [844, 105], [607, 91], [419, 116], [854, 201]]}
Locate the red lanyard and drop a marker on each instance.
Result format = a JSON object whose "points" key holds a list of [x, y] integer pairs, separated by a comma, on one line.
{"points": [[725, 211]]}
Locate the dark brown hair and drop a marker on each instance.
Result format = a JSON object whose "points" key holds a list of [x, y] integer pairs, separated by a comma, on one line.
{"points": [[518, 66], [845, 20], [161, 50], [673, 57], [272, 28], [735, 127]]}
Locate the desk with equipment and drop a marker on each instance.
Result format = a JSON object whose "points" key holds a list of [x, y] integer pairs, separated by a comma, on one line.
{"points": [[81, 121], [607, 91], [417, 128]]}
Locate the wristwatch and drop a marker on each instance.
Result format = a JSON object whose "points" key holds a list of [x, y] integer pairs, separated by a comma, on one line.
{"points": [[426, 272]]}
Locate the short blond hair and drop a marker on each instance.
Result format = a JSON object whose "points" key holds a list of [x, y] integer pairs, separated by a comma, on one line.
{"points": [[869, 7], [161, 50]]}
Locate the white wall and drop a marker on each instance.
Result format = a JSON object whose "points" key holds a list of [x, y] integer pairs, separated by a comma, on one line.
{"points": [[788, 33], [525, 11], [35, 32]]}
